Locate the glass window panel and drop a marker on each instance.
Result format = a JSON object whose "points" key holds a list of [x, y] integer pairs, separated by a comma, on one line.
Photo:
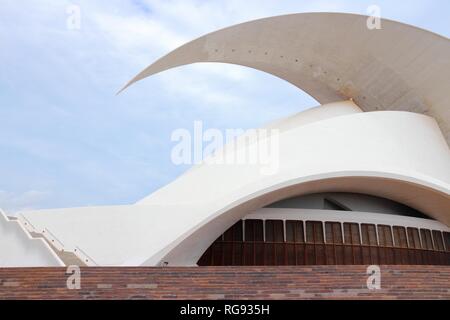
{"points": [[368, 234], [253, 230], [447, 240], [278, 228], [249, 234], [237, 231], [347, 233], [294, 231], [427, 242], [274, 231], [337, 230], [290, 231], [318, 232], [388, 236], [234, 233], [351, 233], [355, 233], [333, 232], [300, 233], [309, 232], [414, 238], [329, 237], [269, 231], [314, 232], [381, 238], [373, 235], [365, 234], [385, 236], [395, 237], [437, 238], [259, 230], [400, 237]]}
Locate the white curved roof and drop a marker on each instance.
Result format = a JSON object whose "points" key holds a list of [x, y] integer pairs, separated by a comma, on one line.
{"points": [[330, 56], [334, 57], [178, 222]]}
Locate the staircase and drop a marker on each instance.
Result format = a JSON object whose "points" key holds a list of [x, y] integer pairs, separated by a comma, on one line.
{"points": [[70, 256], [19, 249]]}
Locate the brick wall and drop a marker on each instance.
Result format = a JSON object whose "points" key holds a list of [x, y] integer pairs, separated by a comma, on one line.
{"points": [[299, 282]]}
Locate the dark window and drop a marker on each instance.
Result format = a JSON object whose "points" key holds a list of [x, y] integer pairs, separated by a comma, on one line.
{"points": [[427, 242], [294, 231], [232, 245], [333, 232], [369, 240], [314, 232], [274, 245], [315, 248], [414, 238], [234, 233], [274, 231], [295, 249], [368, 234], [437, 238], [351, 233], [400, 237], [254, 230], [447, 240], [253, 245], [385, 236]]}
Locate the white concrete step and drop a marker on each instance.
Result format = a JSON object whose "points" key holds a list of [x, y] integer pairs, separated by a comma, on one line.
{"points": [[19, 249]]}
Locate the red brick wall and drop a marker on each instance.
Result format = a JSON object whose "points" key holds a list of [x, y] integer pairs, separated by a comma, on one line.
{"points": [[299, 282]]}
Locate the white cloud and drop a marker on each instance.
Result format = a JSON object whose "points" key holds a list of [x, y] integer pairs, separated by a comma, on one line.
{"points": [[138, 33]]}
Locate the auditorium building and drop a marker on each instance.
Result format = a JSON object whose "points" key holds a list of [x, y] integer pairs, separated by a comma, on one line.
{"points": [[361, 179]]}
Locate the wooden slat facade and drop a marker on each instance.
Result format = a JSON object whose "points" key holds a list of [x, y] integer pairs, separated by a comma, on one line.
{"points": [[278, 242]]}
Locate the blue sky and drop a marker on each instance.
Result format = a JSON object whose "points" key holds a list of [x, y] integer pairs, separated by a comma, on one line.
{"points": [[65, 138]]}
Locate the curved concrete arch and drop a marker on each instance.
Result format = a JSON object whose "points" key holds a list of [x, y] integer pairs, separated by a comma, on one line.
{"points": [[329, 145], [401, 156], [333, 57], [403, 189], [377, 169]]}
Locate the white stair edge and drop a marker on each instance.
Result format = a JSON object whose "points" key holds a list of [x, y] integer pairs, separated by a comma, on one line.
{"points": [[35, 241]]}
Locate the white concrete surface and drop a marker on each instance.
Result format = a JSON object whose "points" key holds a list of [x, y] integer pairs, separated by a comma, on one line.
{"points": [[18, 249], [333, 57], [400, 156]]}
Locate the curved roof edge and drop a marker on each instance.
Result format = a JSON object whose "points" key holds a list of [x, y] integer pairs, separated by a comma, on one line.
{"points": [[187, 249], [399, 67]]}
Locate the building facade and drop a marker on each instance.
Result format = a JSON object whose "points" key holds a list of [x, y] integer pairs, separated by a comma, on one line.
{"points": [[364, 178]]}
